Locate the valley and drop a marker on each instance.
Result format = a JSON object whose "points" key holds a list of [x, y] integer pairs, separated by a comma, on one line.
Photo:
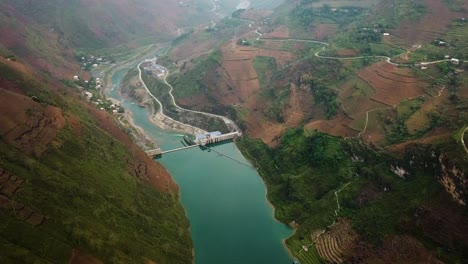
{"points": [[352, 114], [374, 88]]}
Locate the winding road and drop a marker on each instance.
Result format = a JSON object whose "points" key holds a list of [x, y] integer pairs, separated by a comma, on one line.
{"points": [[386, 58], [317, 54], [463, 139], [160, 109], [231, 124], [226, 120]]}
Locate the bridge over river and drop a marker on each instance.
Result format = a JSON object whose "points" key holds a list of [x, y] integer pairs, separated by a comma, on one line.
{"points": [[210, 138]]}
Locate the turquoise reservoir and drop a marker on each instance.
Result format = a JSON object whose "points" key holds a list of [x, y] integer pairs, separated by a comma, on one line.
{"points": [[225, 199]]}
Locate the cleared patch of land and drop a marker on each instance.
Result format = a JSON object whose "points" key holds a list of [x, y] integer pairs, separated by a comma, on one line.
{"points": [[431, 26], [392, 84]]}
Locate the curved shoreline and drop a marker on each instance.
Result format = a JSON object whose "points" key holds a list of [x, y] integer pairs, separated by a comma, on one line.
{"points": [[386, 58], [159, 115], [294, 229]]}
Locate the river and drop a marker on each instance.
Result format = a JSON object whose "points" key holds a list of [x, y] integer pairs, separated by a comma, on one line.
{"points": [[230, 218]]}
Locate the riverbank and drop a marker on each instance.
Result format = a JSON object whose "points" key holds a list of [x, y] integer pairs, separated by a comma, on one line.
{"points": [[218, 195], [109, 72], [139, 135], [254, 162]]}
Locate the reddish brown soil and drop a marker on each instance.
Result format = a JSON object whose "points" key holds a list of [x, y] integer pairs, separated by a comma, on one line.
{"points": [[445, 214], [403, 58], [395, 249], [299, 103], [392, 84], [238, 69], [341, 244], [338, 126], [356, 103], [256, 14], [269, 131], [370, 192], [435, 135], [421, 119], [9, 185], [463, 92], [376, 132], [192, 48], [347, 53], [323, 31], [336, 245], [278, 32], [430, 26], [33, 128], [273, 45], [80, 257], [26, 124]]}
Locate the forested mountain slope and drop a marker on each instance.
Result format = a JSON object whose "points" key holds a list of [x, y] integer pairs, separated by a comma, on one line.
{"points": [[355, 115], [74, 186]]}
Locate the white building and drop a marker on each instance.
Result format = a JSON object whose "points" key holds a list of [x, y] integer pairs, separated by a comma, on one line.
{"points": [[88, 95]]}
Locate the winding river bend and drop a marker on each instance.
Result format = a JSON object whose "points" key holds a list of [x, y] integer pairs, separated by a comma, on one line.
{"points": [[225, 198]]}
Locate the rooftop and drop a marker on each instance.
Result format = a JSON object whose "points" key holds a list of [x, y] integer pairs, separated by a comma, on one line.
{"points": [[208, 135]]}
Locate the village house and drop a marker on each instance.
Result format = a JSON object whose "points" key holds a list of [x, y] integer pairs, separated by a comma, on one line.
{"points": [[88, 95], [455, 61]]}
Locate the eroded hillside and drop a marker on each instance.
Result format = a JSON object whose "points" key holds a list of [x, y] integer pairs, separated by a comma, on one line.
{"points": [[74, 186], [355, 113]]}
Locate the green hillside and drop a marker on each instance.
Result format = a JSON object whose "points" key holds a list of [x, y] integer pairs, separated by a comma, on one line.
{"points": [[310, 173], [85, 190], [342, 134]]}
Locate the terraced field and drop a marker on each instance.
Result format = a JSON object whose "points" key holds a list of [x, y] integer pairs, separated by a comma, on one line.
{"points": [[336, 244], [431, 26], [326, 207], [392, 84], [355, 96], [311, 256]]}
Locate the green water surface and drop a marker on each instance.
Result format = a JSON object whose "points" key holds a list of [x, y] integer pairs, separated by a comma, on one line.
{"points": [[224, 197]]}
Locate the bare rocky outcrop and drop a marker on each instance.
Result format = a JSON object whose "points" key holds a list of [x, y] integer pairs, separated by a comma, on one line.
{"points": [[28, 125], [449, 173], [454, 180]]}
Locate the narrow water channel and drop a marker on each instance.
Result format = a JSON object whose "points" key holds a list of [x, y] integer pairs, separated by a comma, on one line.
{"points": [[225, 198]]}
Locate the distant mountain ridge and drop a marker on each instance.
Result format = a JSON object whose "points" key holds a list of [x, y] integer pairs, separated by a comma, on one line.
{"points": [[47, 33], [105, 23]]}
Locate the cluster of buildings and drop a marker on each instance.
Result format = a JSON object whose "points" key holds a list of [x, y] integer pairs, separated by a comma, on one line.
{"points": [[151, 68], [90, 62], [104, 105]]}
